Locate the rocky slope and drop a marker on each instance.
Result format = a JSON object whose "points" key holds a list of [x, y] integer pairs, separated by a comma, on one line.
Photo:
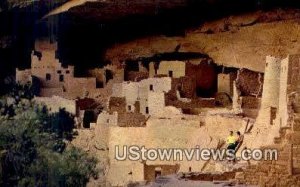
{"points": [[238, 41]]}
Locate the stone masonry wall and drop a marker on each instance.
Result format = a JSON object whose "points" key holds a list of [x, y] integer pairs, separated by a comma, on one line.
{"points": [[176, 67], [139, 91], [181, 131], [23, 76], [285, 135], [271, 91], [55, 103], [225, 83]]}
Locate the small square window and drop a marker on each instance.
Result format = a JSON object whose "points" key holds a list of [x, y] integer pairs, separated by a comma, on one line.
{"points": [[48, 76], [129, 107], [107, 121], [59, 71], [151, 87], [61, 78], [67, 72]]}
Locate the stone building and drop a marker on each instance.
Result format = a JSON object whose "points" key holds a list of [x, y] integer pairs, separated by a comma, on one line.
{"points": [[105, 74], [289, 90], [174, 69], [225, 83], [55, 103], [23, 76], [270, 94], [284, 134], [148, 92], [279, 106], [177, 131], [54, 78]]}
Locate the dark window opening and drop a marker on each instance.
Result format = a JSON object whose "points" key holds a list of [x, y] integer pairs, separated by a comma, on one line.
{"points": [[108, 75], [273, 114], [130, 67], [67, 72], [157, 173], [151, 87], [107, 120], [99, 84], [48, 77], [190, 169], [156, 65], [61, 78], [170, 73], [88, 117], [147, 110], [129, 107], [59, 71]]}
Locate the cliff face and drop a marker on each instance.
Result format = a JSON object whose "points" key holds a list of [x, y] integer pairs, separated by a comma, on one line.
{"points": [[238, 41], [93, 32]]}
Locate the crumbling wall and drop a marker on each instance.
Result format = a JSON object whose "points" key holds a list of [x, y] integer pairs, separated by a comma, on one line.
{"points": [[108, 119], [250, 106], [118, 73], [225, 83], [149, 170], [99, 74], [79, 87], [137, 76], [23, 76], [117, 104], [250, 102], [55, 103], [249, 82], [185, 85], [193, 105], [176, 67], [131, 91], [142, 68], [284, 171], [152, 69]]}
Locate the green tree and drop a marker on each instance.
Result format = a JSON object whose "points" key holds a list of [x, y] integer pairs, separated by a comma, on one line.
{"points": [[33, 151]]}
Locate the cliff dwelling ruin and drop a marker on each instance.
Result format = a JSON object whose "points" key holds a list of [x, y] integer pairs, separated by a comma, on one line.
{"points": [[174, 103], [161, 78]]}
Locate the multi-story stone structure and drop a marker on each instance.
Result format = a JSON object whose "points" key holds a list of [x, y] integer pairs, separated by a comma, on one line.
{"points": [[54, 78], [283, 133]]}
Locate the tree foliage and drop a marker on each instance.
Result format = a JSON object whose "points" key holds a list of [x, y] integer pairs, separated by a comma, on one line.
{"points": [[33, 150]]}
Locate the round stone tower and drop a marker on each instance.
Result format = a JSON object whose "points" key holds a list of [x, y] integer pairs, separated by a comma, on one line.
{"points": [[270, 95]]}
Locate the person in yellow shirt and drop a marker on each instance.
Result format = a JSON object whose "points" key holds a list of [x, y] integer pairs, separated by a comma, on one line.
{"points": [[231, 141]]}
